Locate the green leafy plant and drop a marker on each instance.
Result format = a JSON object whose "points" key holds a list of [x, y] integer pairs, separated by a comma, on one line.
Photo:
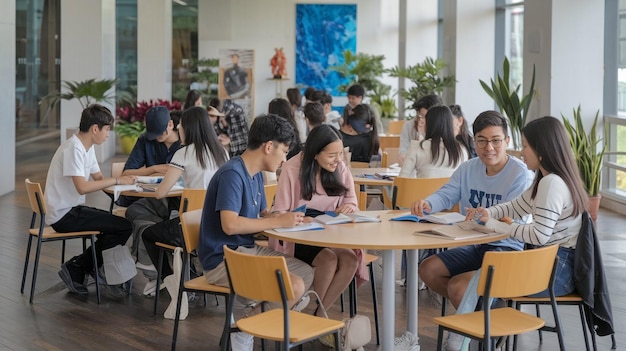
{"points": [[382, 99], [132, 130], [87, 92], [427, 79], [585, 146], [509, 102]]}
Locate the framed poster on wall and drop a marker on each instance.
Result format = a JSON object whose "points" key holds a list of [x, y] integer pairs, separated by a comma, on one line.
{"points": [[236, 78]]}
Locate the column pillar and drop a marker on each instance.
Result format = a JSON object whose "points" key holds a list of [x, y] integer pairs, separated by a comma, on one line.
{"points": [[7, 97], [468, 50], [87, 51], [154, 49], [564, 40]]}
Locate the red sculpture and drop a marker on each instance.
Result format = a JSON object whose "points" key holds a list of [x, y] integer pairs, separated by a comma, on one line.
{"points": [[279, 64]]}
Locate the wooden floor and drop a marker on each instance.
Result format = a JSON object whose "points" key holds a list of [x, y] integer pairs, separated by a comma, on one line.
{"points": [[59, 320]]}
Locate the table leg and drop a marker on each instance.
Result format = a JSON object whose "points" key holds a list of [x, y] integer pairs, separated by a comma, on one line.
{"points": [[388, 310], [412, 291]]}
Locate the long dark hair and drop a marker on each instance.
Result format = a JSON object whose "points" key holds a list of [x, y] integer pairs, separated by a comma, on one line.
{"points": [[200, 133], [464, 136], [549, 139], [363, 113], [192, 97], [282, 108], [439, 129], [317, 140]]}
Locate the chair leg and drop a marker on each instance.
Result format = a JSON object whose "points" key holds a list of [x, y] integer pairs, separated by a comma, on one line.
{"points": [[63, 251], [337, 346], [439, 338], [584, 325], [352, 293], [444, 303], [341, 303], [558, 326], [32, 285], [374, 302], [26, 259], [158, 284], [539, 330], [179, 302], [95, 266]]}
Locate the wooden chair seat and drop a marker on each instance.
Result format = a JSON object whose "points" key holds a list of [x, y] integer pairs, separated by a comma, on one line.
{"points": [[303, 327], [165, 246], [510, 321], [200, 284], [50, 233]]}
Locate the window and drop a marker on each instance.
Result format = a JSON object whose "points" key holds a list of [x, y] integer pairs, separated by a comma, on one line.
{"points": [[126, 45]]}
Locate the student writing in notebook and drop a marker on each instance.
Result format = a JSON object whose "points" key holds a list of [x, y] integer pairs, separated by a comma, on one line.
{"points": [[319, 178]]}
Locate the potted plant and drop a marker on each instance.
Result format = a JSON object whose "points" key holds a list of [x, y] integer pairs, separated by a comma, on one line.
{"points": [[588, 157], [87, 92], [427, 79], [130, 122], [509, 102]]}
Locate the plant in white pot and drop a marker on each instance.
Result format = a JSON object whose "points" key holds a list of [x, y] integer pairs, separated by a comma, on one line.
{"points": [[589, 152]]}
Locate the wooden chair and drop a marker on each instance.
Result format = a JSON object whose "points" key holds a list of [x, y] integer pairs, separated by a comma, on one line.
{"points": [[270, 192], [361, 197], [391, 155], [190, 222], [191, 199], [395, 126], [408, 190], [45, 233], [266, 278], [505, 275], [357, 164], [389, 141]]}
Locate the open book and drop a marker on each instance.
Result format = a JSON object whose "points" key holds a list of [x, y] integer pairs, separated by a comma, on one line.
{"points": [[149, 179], [300, 227], [458, 231], [441, 218], [346, 218]]}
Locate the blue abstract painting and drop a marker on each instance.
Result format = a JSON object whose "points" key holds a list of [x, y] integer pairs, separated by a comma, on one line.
{"points": [[323, 33]]}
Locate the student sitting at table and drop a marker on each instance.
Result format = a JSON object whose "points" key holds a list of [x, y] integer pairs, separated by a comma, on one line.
{"points": [[360, 134], [235, 209], [68, 180], [415, 130], [196, 162], [319, 179], [440, 153]]}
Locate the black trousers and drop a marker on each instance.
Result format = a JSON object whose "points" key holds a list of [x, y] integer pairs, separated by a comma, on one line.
{"points": [[115, 231], [167, 232]]}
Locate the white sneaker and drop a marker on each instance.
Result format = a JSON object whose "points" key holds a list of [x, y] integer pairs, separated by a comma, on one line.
{"points": [[302, 303], [406, 342], [143, 267], [241, 341], [150, 288]]}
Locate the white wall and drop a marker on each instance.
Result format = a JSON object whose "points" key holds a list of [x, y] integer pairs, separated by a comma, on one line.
{"points": [[564, 39], [265, 25], [7, 97], [87, 51]]}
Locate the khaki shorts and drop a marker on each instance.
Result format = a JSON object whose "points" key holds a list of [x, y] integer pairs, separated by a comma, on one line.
{"points": [[219, 276]]}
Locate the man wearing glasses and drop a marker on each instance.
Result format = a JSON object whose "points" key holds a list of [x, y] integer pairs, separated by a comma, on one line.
{"points": [[416, 129], [492, 178]]}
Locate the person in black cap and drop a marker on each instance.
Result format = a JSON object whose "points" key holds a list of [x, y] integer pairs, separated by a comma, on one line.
{"points": [[154, 148], [360, 133]]}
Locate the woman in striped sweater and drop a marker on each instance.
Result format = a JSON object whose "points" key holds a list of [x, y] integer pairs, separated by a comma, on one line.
{"points": [[556, 199]]}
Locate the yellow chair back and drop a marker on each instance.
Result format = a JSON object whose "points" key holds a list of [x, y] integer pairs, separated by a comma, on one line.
{"points": [[408, 190]]}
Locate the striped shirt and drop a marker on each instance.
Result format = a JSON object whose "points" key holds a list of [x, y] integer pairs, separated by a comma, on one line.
{"points": [[551, 210]]}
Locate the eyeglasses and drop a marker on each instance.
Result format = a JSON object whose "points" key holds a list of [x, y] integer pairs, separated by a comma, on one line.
{"points": [[482, 143]]}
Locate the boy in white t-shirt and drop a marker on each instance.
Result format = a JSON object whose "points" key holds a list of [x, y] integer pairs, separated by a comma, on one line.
{"points": [[74, 172]]}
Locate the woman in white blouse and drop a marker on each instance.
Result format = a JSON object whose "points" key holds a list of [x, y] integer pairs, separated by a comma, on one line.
{"points": [[440, 153]]}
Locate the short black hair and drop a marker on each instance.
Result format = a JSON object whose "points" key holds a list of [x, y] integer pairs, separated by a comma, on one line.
{"points": [[314, 112], [427, 102], [95, 114], [308, 92], [356, 90], [269, 127], [490, 119]]}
